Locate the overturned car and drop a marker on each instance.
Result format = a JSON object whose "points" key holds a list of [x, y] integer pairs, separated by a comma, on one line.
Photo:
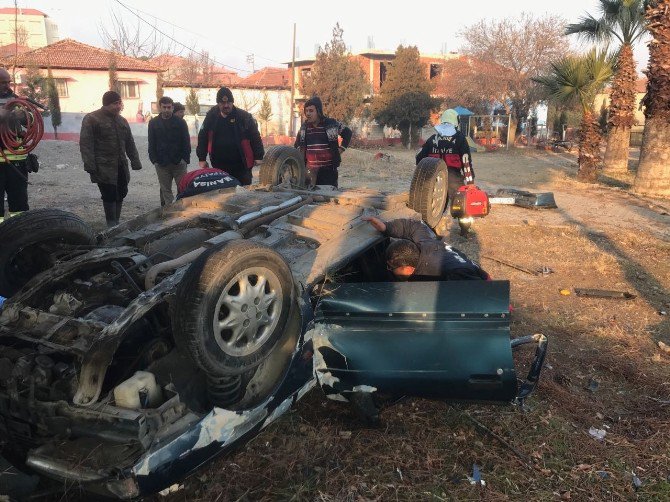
{"points": [[130, 358]]}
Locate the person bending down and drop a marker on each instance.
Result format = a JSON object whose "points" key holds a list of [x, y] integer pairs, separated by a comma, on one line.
{"points": [[418, 255]]}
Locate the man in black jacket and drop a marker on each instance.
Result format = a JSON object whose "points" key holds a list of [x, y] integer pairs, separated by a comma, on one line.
{"points": [[419, 255], [451, 145], [318, 142], [230, 136], [169, 148]]}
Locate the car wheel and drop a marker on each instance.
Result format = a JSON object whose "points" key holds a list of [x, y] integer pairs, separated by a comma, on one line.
{"points": [[283, 164], [428, 191], [232, 306], [28, 240]]}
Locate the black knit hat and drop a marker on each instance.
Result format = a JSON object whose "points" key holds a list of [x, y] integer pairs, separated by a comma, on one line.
{"points": [[224, 92], [315, 101], [110, 97]]}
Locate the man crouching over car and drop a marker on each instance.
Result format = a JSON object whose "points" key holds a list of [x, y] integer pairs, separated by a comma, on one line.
{"points": [[418, 255]]}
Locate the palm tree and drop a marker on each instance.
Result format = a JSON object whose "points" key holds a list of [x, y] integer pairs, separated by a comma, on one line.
{"points": [[621, 21], [581, 78], [653, 172]]}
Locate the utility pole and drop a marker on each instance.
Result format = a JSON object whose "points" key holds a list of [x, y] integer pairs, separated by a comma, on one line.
{"points": [[291, 132], [252, 61], [16, 43]]}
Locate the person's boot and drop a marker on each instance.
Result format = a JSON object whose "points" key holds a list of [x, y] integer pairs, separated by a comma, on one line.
{"points": [[466, 226], [110, 213], [119, 204]]}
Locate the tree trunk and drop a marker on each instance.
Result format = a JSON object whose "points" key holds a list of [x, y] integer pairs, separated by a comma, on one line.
{"points": [[653, 172], [621, 114], [514, 124], [55, 132], [616, 152], [589, 149]]}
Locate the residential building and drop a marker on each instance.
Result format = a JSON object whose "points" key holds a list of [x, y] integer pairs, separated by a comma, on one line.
{"points": [[81, 73], [248, 92], [375, 64], [28, 27]]}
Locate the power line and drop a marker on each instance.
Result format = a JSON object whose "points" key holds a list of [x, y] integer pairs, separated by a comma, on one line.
{"points": [[204, 54], [199, 35]]}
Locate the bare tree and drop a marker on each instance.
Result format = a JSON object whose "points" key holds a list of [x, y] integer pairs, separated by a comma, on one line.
{"points": [[474, 84], [20, 35], [135, 38], [524, 45], [196, 67]]}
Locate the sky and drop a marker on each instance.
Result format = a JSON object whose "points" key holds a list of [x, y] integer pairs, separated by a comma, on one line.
{"points": [[231, 31]]}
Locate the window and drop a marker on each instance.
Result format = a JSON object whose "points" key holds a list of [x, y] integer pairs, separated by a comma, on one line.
{"points": [[61, 87], [305, 73], [435, 70], [129, 89], [383, 69]]}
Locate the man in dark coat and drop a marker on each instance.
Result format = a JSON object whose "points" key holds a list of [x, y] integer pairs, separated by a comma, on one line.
{"points": [[418, 254], [318, 142], [106, 143], [231, 138], [169, 148]]}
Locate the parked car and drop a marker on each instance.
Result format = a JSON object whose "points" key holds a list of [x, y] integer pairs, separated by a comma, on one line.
{"points": [[131, 358]]}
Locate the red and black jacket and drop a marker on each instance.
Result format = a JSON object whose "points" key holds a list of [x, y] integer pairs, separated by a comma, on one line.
{"points": [[454, 150], [247, 137], [333, 130]]}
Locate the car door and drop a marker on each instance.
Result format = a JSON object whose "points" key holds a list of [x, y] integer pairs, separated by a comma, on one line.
{"points": [[444, 340]]}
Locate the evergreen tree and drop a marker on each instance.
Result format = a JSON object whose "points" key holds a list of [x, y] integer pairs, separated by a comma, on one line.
{"points": [[54, 103], [159, 86], [34, 85], [265, 113], [192, 105], [337, 79], [113, 76], [404, 101]]}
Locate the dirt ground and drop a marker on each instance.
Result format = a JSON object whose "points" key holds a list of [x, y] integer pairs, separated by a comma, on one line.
{"points": [[604, 368]]}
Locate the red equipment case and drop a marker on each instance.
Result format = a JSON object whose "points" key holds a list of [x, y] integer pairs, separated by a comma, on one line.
{"points": [[470, 201]]}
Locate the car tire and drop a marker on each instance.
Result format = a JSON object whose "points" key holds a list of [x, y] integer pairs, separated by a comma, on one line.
{"points": [[27, 238], [283, 164], [232, 306], [428, 191]]}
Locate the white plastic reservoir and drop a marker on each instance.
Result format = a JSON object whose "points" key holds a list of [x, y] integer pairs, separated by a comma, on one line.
{"points": [[139, 391]]}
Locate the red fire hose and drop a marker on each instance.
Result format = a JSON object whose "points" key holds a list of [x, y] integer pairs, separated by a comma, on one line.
{"points": [[23, 139]]}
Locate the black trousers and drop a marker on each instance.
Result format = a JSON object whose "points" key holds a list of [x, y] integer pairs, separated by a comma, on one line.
{"points": [[455, 180], [324, 176], [242, 173], [115, 193], [15, 185]]}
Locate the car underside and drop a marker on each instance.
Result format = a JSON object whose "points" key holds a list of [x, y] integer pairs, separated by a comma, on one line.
{"points": [[129, 359]]}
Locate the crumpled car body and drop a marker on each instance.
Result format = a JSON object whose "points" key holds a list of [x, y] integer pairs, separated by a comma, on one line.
{"points": [[96, 332]]}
